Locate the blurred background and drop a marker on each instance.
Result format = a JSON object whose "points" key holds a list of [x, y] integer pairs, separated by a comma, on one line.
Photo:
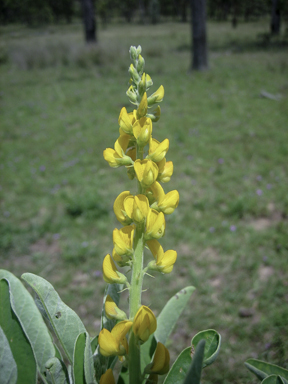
{"points": [[63, 77]]}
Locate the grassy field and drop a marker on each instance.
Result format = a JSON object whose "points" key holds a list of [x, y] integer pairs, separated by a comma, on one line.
{"points": [[60, 103]]}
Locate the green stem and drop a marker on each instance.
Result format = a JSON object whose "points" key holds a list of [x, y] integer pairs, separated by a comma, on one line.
{"points": [[135, 303]]}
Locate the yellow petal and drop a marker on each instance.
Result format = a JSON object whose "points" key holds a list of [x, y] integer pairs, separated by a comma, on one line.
{"points": [[146, 172], [119, 209], [167, 262], [142, 109], [109, 346], [107, 377], [165, 173], [156, 249], [123, 240], [111, 156], [144, 323], [110, 273], [126, 121], [121, 329], [161, 360], [112, 311], [157, 151], [142, 130], [169, 202], [155, 225]]}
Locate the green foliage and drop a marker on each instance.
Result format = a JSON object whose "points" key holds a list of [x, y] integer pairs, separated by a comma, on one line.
{"points": [[169, 315], [64, 321], [212, 345], [264, 370]]}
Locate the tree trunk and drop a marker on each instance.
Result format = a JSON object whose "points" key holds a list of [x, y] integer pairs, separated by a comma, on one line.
{"points": [[198, 27], [89, 21], [275, 18]]}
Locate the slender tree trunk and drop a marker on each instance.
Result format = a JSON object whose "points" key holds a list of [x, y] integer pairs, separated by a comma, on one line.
{"points": [[89, 21], [198, 27], [275, 18]]}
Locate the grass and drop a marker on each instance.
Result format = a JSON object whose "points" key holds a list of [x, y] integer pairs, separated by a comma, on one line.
{"points": [[60, 103]]}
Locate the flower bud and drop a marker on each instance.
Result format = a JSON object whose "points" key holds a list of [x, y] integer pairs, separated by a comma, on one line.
{"points": [[134, 74], [114, 343], [132, 94], [144, 323], [140, 64], [123, 240], [165, 171], [107, 377], [164, 262], [133, 53], [142, 109], [155, 225], [157, 151], [119, 209], [155, 114], [110, 273], [112, 311], [126, 121], [156, 97], [161, 360], [146, 172], [142, 130]]}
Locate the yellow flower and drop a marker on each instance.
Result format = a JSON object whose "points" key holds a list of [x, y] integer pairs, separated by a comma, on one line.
{"points": [[116, 157], [164, 262], [165, 203], [112, 311], [165, 170], [123, 260], [107, 377], [123, 240], [157, 151], [119, 209], [144, 323], [157, 96], [126, 121], [110, 273], [136, 207], [161, 360], [114, 343], [146, 172], [155, 225], [142, 130], [142, 109]]}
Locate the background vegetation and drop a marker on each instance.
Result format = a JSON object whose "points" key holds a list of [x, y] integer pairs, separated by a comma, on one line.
{"points": [[227, 127]]}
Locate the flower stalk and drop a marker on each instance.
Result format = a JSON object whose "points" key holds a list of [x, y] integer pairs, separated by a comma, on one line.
{"points": [[143, 218]]}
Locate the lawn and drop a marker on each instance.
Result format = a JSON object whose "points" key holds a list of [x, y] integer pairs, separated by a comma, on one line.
{"points": [[60, 103]]}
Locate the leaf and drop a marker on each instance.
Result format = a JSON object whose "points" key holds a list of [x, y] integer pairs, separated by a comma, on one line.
{"points": [[31, 321], [83, 365], [171, 312], [180, 368], [274, 379], [212, 346], [19, 344], [262, 369], [8, 371], [65, 322], [194, 374], [89, 362], [57, 371], [78, 359]]}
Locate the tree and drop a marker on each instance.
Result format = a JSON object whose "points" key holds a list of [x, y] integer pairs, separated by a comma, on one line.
{"points": [[89, 21], [275, 18], [198, 28]]}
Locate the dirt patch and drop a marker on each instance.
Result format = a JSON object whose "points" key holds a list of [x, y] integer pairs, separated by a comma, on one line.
{"points": [[42, 246], [265, 272], [263, 223]]}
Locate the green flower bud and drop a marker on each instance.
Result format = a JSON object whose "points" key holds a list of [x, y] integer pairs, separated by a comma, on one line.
{"points": [[138, 50], [133, 72], [133, 53], [140, 64]]}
